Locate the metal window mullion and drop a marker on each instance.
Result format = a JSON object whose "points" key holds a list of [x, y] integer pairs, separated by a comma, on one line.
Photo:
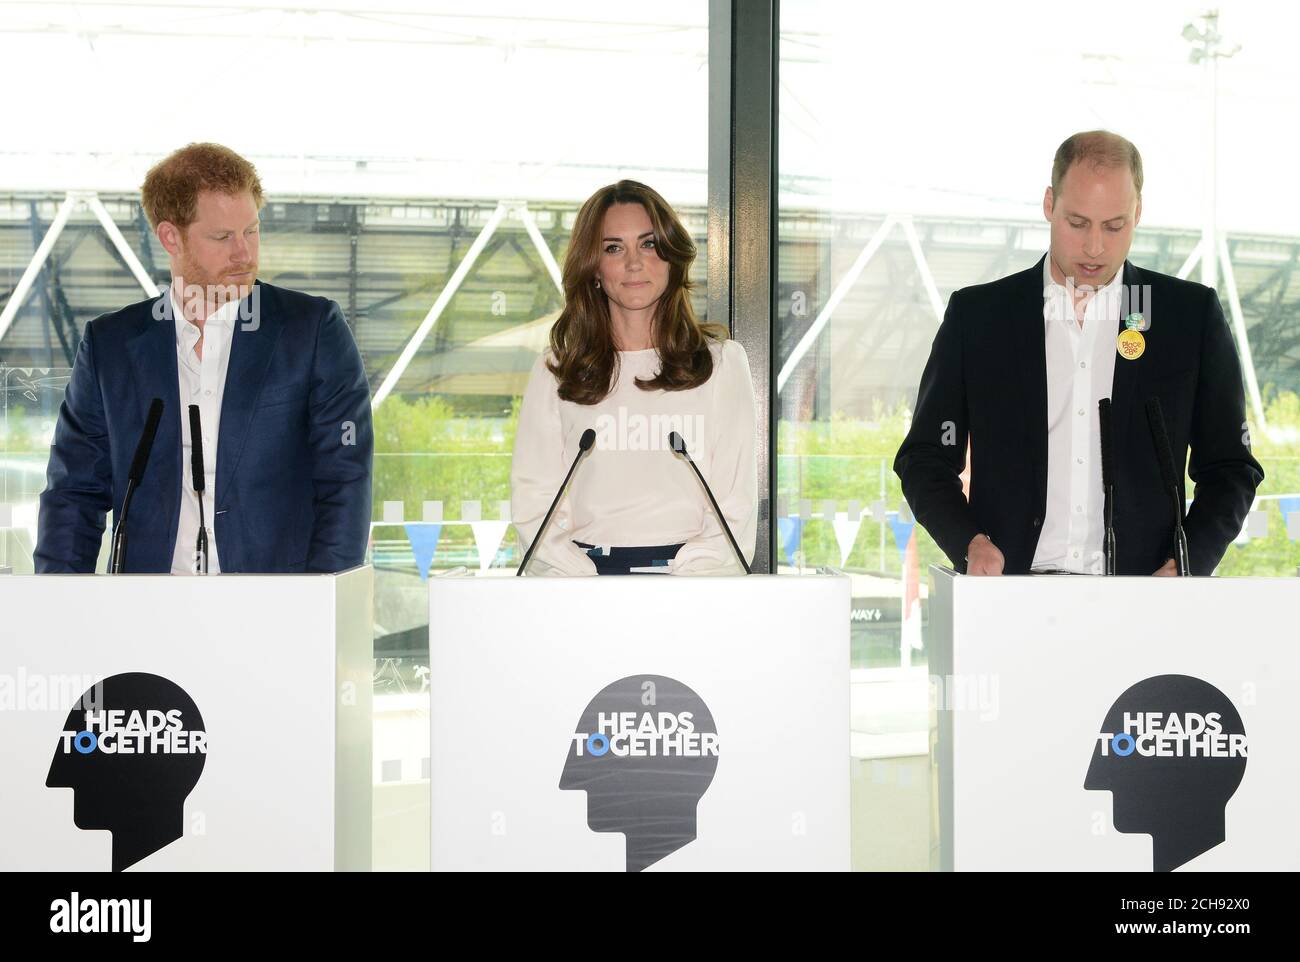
{"points": [[743, 57]]}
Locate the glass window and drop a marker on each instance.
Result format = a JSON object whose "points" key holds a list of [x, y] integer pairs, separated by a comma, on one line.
{"points": [[423, 169], [916, 141]]}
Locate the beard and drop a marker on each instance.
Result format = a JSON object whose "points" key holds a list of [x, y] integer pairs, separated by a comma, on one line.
{"points": [[203, 291]]}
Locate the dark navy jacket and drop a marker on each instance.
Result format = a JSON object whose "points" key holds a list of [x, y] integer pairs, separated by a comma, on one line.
{"points": [[294, 450], [986, 381]]}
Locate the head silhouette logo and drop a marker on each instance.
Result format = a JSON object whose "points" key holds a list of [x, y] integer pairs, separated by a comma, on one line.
{"points": [[131, 750], [1172, 751], [645, 751]]}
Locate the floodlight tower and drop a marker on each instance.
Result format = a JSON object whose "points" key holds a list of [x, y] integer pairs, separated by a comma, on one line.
{"points": [[1207, 49]]}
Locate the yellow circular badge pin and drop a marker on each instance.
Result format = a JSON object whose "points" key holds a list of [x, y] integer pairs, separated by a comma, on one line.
{"points": [[1131, 344]]}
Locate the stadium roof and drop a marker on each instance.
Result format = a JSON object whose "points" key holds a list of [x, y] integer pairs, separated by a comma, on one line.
{"points": [[387, 264]]}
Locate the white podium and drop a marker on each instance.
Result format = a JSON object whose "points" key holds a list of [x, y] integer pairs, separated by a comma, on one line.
{"points": [[229, 726], [1072, 722], [639, 722]]}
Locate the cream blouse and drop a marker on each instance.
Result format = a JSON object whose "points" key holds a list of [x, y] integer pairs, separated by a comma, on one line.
{"points": [[632, 489]]}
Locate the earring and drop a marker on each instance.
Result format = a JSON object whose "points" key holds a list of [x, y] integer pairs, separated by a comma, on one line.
{"points": [[597, 283]]}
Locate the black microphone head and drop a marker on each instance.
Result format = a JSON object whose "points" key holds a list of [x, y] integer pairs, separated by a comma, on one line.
{"points": [[676, 443], [146, 438], [587, 440], [1164, 453], [196, 448], [1107, 462]]}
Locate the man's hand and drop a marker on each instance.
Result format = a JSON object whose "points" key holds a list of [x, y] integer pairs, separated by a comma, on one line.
{"points": [[983, 557], [1168, 568]]}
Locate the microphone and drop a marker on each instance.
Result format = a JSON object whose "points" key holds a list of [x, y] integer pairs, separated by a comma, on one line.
{"points": [[677, 444], [117, 553], [584, 445], [196, 471], [1107, 483], [1165, 459]]}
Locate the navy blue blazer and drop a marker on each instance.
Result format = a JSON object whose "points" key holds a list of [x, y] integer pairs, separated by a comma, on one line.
{"points": [[294, 451], [986, 382]]}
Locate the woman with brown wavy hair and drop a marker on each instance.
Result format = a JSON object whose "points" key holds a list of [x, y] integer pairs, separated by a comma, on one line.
{"points": [[629, 359]]}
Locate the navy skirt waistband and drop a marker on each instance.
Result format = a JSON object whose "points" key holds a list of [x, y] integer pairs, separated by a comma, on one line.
{"points": [[635, 560]]}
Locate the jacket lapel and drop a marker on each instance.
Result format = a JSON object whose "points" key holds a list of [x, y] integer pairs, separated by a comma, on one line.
{"points": [[153, 362], [251, 349], [1124, 394], [1033, 352]]}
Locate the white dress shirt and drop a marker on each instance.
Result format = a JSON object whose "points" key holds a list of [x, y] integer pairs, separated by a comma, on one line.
{"points": [[201, 382], [1080, 371]]}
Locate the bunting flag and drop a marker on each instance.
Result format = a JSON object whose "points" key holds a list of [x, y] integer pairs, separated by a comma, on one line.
{"points": [[790, 530], [424, 542], [1290, 516], [846, 532], [902, 533], [487, 538]]}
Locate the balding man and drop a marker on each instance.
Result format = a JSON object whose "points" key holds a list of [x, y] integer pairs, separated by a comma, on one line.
{"points": [[1018, 367]]}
